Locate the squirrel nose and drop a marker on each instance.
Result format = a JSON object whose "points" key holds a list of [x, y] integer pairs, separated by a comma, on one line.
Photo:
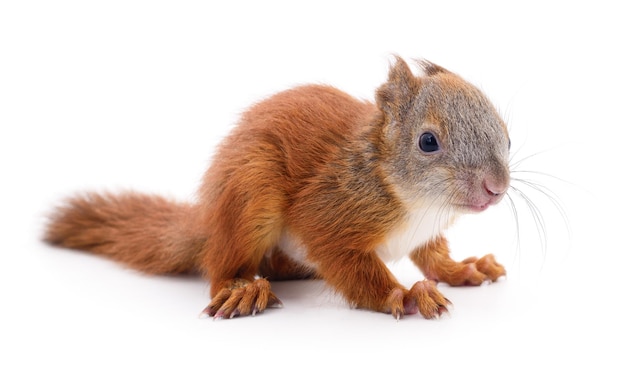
{"points": [[493, 188]]}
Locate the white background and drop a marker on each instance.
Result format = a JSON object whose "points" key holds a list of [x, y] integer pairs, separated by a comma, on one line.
{"points": [[136, 94]]}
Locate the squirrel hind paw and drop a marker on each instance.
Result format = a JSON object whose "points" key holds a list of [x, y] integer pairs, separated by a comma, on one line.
{"points": [[249, 299]]}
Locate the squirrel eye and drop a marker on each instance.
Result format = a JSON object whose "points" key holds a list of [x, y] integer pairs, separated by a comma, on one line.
{"points": [[428, 142]]}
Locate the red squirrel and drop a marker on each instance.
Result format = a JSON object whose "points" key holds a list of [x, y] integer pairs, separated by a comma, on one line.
{"points": [[313, 183]]}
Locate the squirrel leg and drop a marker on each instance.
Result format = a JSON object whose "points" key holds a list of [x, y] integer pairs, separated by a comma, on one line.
{"points": [[247, 295], [433, 259], [235, 288], [364, 280], [231, 263], [278, 266]]}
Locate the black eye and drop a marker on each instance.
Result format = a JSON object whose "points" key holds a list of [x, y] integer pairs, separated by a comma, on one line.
{"points": [[509, 144], [428, 142]]}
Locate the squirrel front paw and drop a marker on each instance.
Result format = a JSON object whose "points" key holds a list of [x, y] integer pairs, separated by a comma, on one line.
{"points": [[242, 298], [423, 298], [472, 271]]}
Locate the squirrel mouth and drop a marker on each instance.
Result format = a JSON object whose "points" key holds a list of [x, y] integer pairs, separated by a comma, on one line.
{"points": [[479, 208], [475, 208], [480, 204]]}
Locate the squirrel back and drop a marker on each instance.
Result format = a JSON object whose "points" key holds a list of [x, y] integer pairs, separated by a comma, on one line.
{"points": [[315, 183]]}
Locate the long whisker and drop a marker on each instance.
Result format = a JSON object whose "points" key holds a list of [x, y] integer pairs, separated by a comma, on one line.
{"points": [[518, 252], [538, 218], [553, 198], [516, 163], [543, 174], [520, 178]]}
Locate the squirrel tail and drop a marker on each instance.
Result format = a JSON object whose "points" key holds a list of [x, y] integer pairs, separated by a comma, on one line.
{"points": [[145, 232]]}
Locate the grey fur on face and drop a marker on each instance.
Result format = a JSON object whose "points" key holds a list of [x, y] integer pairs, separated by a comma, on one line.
{"points": [[472, 138]]}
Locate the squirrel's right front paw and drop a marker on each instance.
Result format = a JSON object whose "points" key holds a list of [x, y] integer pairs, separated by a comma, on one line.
{"points": [[423, 298], [244, 298]]}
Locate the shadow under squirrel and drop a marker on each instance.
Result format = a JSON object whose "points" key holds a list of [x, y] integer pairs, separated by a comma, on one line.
{"points": [[315, 183]]}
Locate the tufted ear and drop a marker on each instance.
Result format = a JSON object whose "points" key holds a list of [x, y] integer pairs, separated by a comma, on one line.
{"points": [[394, 95], [430, 68]]}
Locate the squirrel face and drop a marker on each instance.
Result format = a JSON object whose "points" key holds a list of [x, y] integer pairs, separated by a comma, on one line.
{"points": [[444, 140]]}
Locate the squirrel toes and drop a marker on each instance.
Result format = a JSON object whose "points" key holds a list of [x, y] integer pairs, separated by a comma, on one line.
{"points": [[313, 183]]}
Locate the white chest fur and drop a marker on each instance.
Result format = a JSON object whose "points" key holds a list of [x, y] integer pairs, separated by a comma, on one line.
{"points": [[420, 226]]}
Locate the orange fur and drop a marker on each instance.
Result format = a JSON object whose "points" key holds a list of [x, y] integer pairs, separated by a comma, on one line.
{"points": [[434, 261], [149, 233], [311, 183]]}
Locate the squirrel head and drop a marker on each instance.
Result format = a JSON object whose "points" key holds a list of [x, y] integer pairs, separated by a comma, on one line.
{"points": [[444, 139]]}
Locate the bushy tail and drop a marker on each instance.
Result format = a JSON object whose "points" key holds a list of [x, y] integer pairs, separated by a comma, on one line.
{"points": [[146, 232]]}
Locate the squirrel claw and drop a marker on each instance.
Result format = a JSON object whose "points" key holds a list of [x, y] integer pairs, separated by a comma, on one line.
{"points": [[206, 313], [218, 316], [398, 313], [276, 303]]}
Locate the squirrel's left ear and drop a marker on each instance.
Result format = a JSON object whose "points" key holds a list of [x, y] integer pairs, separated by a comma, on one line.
{"points": [[400, 87]]}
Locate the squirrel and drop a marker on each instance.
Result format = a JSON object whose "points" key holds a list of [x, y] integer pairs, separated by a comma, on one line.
{"points": [[314, 183]]}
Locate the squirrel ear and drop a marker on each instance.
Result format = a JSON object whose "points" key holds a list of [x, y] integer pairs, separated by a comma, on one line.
{"points": [[430, 68], [400, 87]]}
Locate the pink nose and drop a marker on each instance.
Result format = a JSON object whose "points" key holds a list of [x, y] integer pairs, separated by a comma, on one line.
{"points": [[493, 188]]}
